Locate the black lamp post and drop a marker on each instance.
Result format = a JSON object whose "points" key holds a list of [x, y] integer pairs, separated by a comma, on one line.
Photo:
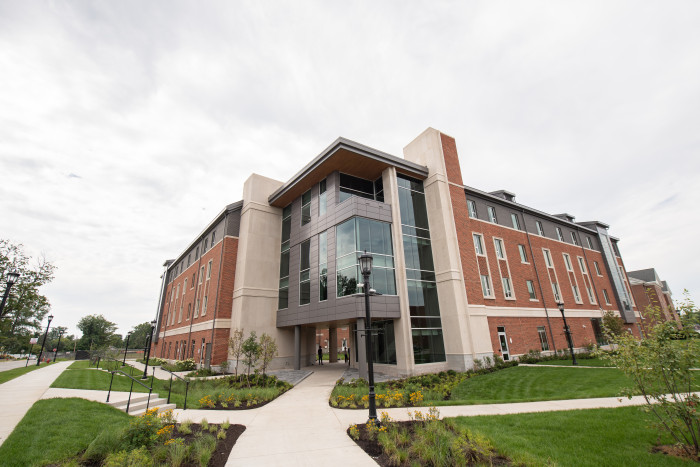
{"points": [[366, 268], [38, 360], [567, 331], [147, 350], [128, 336], [11, 279], [60, 334]]}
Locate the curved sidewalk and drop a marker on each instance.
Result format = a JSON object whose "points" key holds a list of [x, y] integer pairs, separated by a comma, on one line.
{"points": [[19, 394]]}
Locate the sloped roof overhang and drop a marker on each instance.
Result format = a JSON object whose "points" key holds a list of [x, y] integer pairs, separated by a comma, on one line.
{"points": [[348, 157]]}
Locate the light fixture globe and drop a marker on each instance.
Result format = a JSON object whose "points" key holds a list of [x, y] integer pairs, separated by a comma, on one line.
{"points": [[366, 264], [12, 277], [50, 318], [560, 305]]}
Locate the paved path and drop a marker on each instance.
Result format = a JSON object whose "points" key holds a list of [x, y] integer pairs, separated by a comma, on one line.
{"points": [[19, 394], [12, 364]]}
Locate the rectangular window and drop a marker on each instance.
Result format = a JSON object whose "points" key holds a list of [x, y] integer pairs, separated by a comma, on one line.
{"points": [[555, 290], [201, 275], [486, 286], [597, 268], [591, 297], [283, 299], [531, 290], [492, 214], [379, 196], [523, 253], [567, 261], [305, 273], [213, 237], [306, 208], [581, 264], [322, 267], [547, 258], [516, 221], [204, 306], [540, 229], [507, 289], [472, 209], [605, 295], [353, 186], [574, 239], [560, 235], [577, 295], [322, 198], [500, 250], [478, 244], [590, 243], [209, 270], [543, 338]]}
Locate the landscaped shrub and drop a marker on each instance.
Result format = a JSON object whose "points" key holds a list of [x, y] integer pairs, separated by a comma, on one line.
{"points": [[202, 372], [180, 365], [154, 361], [108, 441]]}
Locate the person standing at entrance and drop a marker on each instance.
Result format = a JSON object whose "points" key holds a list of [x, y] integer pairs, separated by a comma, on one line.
{"points": [[346, 354], [320, 355]]}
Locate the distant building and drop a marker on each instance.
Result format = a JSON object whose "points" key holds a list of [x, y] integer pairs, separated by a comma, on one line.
{"points": [[463, 274], [650, 291]]}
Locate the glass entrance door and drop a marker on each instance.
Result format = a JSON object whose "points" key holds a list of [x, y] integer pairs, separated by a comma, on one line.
{"points": [[504, 342]]}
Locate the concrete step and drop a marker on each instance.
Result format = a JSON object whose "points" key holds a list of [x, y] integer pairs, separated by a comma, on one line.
{"points": [[162, 407], [135, 398], [139, 401]]}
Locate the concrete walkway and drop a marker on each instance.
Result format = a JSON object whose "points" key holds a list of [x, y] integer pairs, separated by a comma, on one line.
{"points": [[19, 394]]}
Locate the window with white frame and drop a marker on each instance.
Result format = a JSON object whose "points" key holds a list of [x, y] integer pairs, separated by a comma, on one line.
{"points": [[555, 290], [479, 244], [577, 295], [567, 261], [507, 289], [591, 297], [560, 235], [515, 220], [582, 265], [486, 286], [492, 214], [606, 297], [531, 290], [547, 258], [597, 268], [523, 253], [574, 239], [543, 338], [590, 243], [540, 229], [204, 306], [209, 269], [500, 250], [472, 208]]}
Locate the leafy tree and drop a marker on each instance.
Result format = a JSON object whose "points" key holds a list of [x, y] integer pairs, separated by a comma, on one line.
{"points": [[26, 307], [268, 350], [97, 332], [613, 325], [660, 367], [235, 343], [690, 316], [251, 353], [139, 335]]}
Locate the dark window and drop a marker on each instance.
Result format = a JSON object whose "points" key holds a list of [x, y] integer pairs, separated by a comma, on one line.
{"points": [[304, 273], [531, 290], [353, 186], [283, 301], [543, 338], [322, 266], [492, 214], [322, 198], [306, 208], [540, 229]]}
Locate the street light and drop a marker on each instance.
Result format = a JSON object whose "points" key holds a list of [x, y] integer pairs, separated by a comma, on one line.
{"points": [[147, 350], [60, 333], [128, 336], [366, 268], [12, 277], [567, 331], [38, 360]]}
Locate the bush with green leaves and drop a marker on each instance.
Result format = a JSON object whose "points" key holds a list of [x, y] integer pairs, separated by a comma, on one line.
{"points": [[660, 366]]}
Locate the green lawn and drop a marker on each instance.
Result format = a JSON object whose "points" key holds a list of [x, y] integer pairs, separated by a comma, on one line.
{"points": [[54, 429], [581, 362], [7, 375], [599, 437], [523, 384]]}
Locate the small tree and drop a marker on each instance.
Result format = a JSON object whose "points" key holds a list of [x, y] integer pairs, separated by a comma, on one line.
{"points": [[268, 351], [235, 343], [660, 367], [251, 353], [612, 325]]}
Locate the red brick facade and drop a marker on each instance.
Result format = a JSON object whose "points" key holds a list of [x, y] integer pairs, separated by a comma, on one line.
{"points": [[661, 307]]}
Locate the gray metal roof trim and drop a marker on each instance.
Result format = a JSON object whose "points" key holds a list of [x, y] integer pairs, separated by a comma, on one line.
{"points": [[344, 143], [527, 208], [237, 206]]}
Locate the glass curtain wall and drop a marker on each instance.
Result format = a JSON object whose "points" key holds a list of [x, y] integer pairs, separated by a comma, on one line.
{"points": [[354, 186], [322, 266], [353, 238], [283, 301], [426, 326]]}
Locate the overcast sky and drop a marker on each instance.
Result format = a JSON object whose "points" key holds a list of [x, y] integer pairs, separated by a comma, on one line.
{"points": [[126, 126]]}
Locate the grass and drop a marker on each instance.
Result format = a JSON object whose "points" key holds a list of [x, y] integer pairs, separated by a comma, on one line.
{"points": [[581, 362], [524, 384], [54, 429], [583, 438], [78, 376], [8, 375]]}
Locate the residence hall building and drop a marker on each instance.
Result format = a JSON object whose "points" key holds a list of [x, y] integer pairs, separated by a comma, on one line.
{"points": [[463, 274], [649, 290]]}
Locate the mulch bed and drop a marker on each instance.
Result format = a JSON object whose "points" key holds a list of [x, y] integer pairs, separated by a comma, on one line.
{"points": [[223, 446], [374, 449], [675, 451], [243, 406]]}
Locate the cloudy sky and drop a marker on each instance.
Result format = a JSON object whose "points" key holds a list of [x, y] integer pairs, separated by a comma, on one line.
{"points": [[126, 126]]}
